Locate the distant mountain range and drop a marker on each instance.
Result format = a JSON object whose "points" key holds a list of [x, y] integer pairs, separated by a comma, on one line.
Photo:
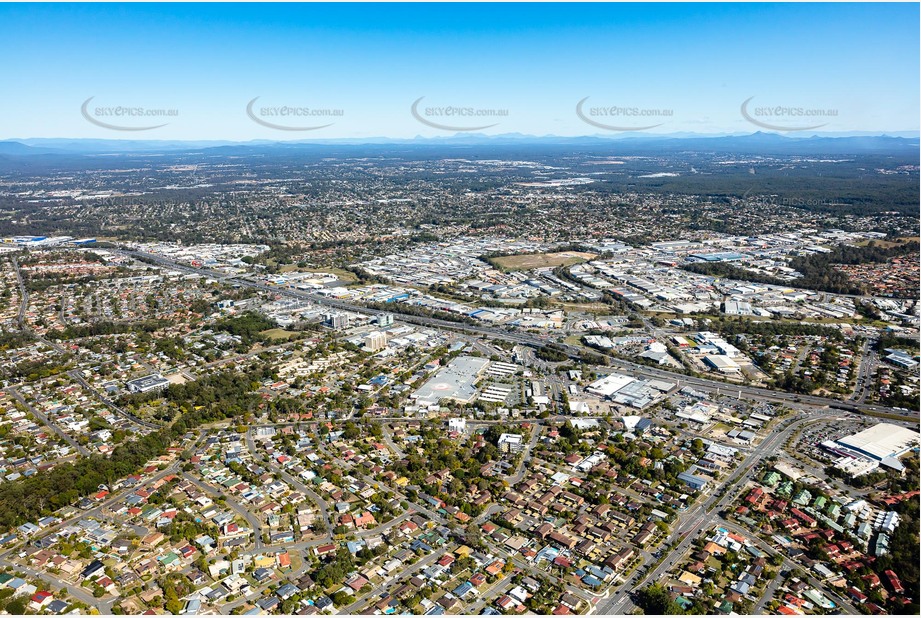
{"points": [[754, 143]]}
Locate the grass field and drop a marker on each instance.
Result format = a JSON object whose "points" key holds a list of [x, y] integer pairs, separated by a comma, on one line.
{"points": [[343, 275], [888, 243], [277, 334], [587, 306], [542, 260]]}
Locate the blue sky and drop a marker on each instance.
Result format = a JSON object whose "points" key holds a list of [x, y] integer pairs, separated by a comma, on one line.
{"points": [[692, 65]]}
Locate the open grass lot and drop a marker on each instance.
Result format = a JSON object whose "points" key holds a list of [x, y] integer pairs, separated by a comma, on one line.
{"points": [[343, 275], [277, 334], [340, 273], [888, 243], [587, 307], [542, 260]]}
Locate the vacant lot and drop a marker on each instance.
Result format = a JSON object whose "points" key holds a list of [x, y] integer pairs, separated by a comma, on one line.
{"points": [[542, 260], [888, 243], [278, 334]]}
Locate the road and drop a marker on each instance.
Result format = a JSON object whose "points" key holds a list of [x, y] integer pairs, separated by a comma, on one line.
{"points": [[47, 422], [297, 484], [533, 570], [23, 296], [241, 510], [787, 564], [868, 361], [262, 590], [388, 440], [477, 606], [532, 341], [104, 604], [536, 432], [110, 404], [363, 600], [702, 515]]}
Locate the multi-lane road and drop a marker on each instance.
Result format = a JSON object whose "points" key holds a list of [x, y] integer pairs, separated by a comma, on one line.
{"points": [[690, 523], [710, 385]]}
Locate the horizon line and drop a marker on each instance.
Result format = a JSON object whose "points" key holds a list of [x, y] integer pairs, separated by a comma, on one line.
{"points": [[678, 135]]}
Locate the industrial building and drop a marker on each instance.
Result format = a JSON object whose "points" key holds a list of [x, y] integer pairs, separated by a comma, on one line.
{"points": [[721, 363], [624, 390], [608, 385]]}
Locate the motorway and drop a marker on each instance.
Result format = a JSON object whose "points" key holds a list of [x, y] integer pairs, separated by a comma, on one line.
{"points": [[750, 392], [868, 362], [701, 516]]}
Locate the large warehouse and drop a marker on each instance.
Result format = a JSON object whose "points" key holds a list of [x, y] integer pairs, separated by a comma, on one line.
{"points": [[457, 382], [608, 385], [624, 390], [882, 441]]}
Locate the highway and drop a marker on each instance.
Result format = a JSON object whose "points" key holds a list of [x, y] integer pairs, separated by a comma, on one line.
{"points": [[635, 369], [691, 523], [868, 362]]}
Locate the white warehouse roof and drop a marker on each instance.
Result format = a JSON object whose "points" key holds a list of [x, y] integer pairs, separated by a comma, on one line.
{"points": [[608, 385], [882, 440]]}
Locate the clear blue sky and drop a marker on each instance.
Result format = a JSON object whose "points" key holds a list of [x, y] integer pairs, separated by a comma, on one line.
{"points": [[700, 61]]}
